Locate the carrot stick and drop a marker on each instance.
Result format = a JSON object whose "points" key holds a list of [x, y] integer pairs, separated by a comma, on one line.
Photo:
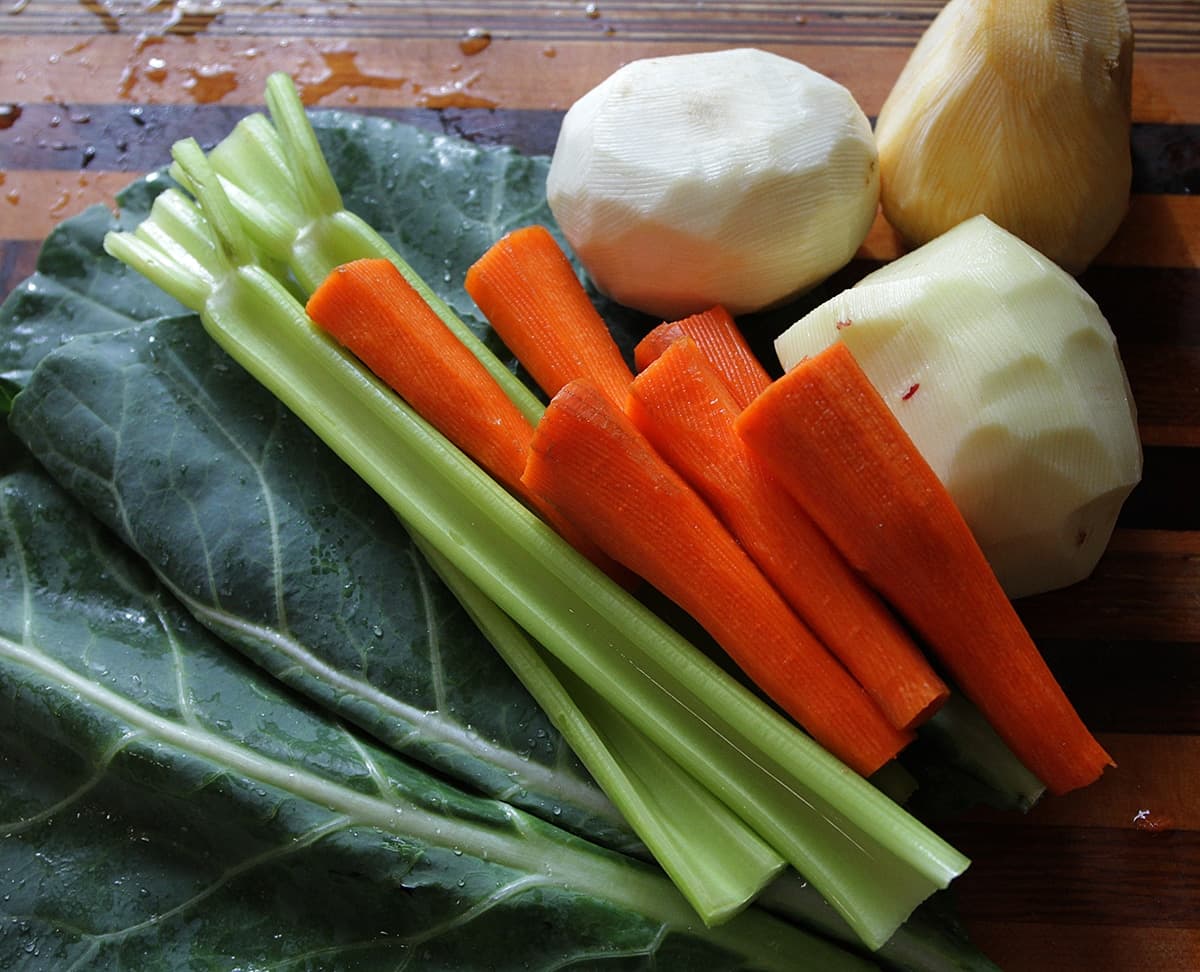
{"points": [[830, 438], [528, 290], [369, 308], [718, 336], [589, 461], [681, 405]]}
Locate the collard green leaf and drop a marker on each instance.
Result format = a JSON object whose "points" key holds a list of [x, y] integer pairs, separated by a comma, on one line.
{"points": [[275, 545], [163, 805], [266, 537]]}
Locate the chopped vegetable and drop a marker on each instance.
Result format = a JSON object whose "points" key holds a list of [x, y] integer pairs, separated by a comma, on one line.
{"points": [[290, 207], [873, 862], [717, 863], [369, 308], [734, 177], [687, 414], [169, 806], [1020, 110], [588, 460], [1008, 378], [528, 291], [826, 432], [718, 336]]}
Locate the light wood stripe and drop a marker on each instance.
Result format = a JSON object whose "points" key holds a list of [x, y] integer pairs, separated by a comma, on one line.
{"points": [[1158, 231], [1161, 25], [1154, 788], [1033, 946], [404, 72]]}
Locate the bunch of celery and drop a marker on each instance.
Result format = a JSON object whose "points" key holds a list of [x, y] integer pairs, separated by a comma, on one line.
{"points": [[722, 789]]}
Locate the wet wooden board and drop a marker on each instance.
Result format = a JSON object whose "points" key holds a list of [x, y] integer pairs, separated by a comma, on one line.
{"points": [[93, 93]]}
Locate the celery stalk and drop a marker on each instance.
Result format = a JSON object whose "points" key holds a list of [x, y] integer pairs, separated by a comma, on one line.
{"points": [[279, 183], [870, 860], [718, 864]]}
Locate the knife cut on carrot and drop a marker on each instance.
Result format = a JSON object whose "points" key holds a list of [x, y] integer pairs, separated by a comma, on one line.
{"points": [[529, 292], [832, 441], [680, 404], [368, 307], [588, 460], [720, 339]]}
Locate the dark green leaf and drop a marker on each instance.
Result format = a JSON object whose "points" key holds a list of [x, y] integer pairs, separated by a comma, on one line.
{"points": [[164, 806]]}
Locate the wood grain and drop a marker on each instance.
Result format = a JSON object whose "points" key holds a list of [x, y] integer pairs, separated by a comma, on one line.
{"points": [[1105, 879]]}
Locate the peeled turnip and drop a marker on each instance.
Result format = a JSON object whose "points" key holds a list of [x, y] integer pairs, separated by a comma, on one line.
{"points": [[733, 177], [1007, 377]]}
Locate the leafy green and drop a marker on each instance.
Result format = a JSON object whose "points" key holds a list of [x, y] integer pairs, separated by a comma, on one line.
{"points": [[164, 806], [276, 546]]}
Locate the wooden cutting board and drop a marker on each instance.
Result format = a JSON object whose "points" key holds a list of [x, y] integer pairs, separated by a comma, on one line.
{"points": [[93, 93]]}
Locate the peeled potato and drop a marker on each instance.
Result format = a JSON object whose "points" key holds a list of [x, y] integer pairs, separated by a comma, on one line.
{"points": [[1007, 376]]}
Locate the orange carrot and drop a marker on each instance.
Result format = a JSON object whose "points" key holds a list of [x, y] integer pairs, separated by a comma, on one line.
{"points": [[680, 404], [528, 290], [369, 308], [830, 438], [718, 336], [589, 461]]}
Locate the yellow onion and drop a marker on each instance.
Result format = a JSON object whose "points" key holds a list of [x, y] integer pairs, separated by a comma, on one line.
{"points": [[1019, 110]]}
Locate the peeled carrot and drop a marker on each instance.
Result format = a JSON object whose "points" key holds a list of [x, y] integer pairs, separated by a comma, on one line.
{"points": [[589, 461], [718, 336], [680, 404], [830, 438], [528, 291], [369, 308]]}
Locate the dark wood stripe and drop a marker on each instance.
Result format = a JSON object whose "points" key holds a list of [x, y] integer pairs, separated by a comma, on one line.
{"points": [[1162, 500], [1134, 686], [122, 137], [1144, 589], [17, 261], [1079, 875], [1159, 26]]}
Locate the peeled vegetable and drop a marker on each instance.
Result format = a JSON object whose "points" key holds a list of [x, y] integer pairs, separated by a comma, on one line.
{"points": [[1006, 375], [732, 177], [1020, 110]]}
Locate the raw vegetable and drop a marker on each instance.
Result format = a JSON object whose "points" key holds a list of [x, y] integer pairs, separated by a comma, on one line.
{"points": [[734, 177], [1020, 110], [341, 560], [715, 861], [717, 335], [1007, 377], [528, 291], [166, 805], [276, 179], [269, 540], [370, 308], [873, 862], [687, 414], [588, 460], [831, 439]]}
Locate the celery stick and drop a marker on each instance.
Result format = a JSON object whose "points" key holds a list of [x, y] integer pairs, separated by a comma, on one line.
{"points": [[292, 209], [716, 860], [871, 861], [718, 863], [962, 736]]}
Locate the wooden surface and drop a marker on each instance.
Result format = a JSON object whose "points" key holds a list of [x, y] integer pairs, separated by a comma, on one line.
{"points": [[92, 93]]}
